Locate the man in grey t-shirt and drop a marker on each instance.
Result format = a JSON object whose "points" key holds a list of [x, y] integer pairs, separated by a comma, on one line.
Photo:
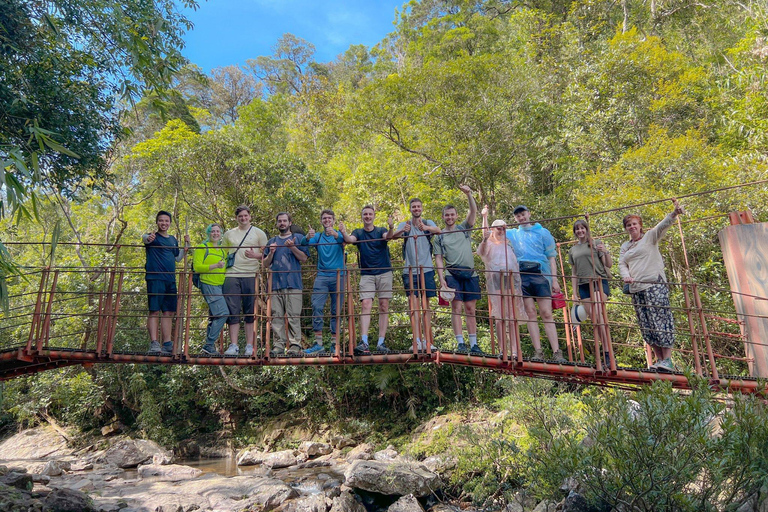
{"points": [[417, 253]]}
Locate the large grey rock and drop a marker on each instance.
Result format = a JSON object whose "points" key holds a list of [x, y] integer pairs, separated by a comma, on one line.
{"points": [[440, 463], [168, 472], [67, 500], [312, 503], [340, 442], [21, 481], [575, 502], [313, 449], [388, 454], [36, 443], [360, 452], [546, 506], [55, 467], [282, 459], [407, 503], [130, 453], [391, 478], [346, 502], [250, 457], [14, 500]]}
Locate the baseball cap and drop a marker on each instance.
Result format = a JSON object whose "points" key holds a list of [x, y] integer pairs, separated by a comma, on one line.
{"points": [[520, 208]]}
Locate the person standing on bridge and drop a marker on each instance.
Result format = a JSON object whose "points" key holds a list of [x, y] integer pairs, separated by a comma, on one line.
{"points": [[642, 269], [245, 243], [162, 254], [375, 274], [536, 251], [284, 255], [417, 256], [210, 261], [453, 252], [329, 282]]}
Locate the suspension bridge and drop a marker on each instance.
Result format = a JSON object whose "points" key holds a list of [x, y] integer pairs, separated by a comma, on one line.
{"points": [[88, 307]]}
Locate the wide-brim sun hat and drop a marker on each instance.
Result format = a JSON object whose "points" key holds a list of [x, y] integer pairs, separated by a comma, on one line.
{"points": [[498, 222], [447, 294], [578, 314]]}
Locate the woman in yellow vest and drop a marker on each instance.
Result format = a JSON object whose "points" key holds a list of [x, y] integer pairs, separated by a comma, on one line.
{"points": [[210, 261]]}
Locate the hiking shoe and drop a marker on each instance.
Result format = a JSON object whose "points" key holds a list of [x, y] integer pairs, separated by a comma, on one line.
{"points": [[362, 349], [210, 350], [315, 348], [462, 347], [294, 353], [232, 350], [248, 350], [665, 365], [475, 350], [382, 348], [154, 346], [167, 347], [538, 354], [276, 352], [557, 356]]}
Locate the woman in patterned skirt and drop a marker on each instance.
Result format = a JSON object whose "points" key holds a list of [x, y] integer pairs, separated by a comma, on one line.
{"points": [[642, 269]]}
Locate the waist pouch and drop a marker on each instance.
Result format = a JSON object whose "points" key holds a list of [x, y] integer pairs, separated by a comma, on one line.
{"points": [[461, 272], [530, 267]]}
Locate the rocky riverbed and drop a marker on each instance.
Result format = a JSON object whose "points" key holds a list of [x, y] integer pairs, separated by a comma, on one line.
{"points": [[40, 472]]}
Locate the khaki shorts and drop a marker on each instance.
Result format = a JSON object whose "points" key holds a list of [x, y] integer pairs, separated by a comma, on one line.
{"points": [[371, 285]]}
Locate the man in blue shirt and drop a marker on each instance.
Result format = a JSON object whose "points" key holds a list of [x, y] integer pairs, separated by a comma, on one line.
{"points": [[329, 244], [375, 274], [162, 254], [284, 256], [536, 250]]}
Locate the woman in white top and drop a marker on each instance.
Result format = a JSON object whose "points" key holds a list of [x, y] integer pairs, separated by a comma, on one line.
{"points": [[498, 256], [642, 268]]}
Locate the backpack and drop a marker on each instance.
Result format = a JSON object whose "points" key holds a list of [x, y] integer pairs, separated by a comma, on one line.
{"points": [[196, 275]]}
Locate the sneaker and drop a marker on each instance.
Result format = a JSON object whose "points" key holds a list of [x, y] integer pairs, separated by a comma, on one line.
{"points": [[232, 350], [382, 348], [665, 365], [315, 348], [167, 347], [154, 346], [475, 350], [462, 347], [539, 355], [210, 350], [558, 357], [362, 349], [275, 352], [248, 350]]}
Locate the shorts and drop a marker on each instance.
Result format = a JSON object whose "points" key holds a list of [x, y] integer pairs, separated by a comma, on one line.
{"points": [[161, 295], [584, 289], [467, 290], [429, 283], [380, 284], [535, 285], [240, 294]]}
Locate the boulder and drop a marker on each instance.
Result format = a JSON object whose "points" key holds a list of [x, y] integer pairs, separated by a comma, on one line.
{"points": [[55, 468], [311, 503], [407, 503], [162, 459], [270, 493], [130, 453], [111, 429], [67, 500], [388, 454], [360, 452], [21, 481], [391, 478], [546, 506], [313, 449], [36, 443], [169, 472], [250, 457], [440, 463], [346, 502], [14, 500], [575, 502], [315, 464], [41, 479], [282, 459], [340, 442]]}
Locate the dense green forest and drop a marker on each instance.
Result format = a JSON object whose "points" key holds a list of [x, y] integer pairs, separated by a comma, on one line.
{"points": [[568, 106]]}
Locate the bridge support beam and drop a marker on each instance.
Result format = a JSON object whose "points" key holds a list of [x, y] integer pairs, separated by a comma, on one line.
{"points": [[745, 252]]}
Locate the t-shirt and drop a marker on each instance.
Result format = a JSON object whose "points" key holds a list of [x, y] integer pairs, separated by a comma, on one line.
{"points": [[161, 258], [374, 251], [455, 246], [286, 268], [244, 266], [423, 245], [581, 259], [533, 244], [330, 252]]}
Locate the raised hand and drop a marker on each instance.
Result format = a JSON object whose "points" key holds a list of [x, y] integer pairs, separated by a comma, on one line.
{"points": [[419, 224], [391, 221], [342, 228], [484, 211], [465, 189], [407, 227], [311, 232], [679, 210]]}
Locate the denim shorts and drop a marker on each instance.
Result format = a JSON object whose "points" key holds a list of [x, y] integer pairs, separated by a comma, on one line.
{"points": [[161, 295], [429, 283], [584, 289]]}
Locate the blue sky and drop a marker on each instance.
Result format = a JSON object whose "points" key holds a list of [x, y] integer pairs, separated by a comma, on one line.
{"points": [[231, 31]]}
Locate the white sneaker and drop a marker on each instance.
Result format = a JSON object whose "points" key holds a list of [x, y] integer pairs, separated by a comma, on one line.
{"points": [[232, 350], [248, 350]]}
